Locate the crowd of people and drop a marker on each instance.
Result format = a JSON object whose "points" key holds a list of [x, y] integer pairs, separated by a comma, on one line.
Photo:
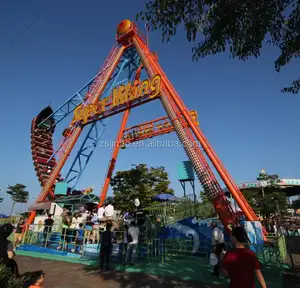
{"points": [[77, 226], [240, 264], [94, 227]]}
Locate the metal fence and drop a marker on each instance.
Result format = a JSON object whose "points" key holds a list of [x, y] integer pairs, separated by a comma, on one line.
{"points": [[172, 211], [65, 240], [150, 249]]}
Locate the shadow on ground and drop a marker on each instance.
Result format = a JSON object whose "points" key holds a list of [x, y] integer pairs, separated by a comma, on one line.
{"points": [[180, 273], [69, 275], [196, 270], [138, 280]]}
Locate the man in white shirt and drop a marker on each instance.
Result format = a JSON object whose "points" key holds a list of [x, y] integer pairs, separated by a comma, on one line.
{"points": [[101, 212], [133, 240], [218, 244], [109, 211]]}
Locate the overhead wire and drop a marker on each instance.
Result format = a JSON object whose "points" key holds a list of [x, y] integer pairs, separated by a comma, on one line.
{"points": [[27, 28]]}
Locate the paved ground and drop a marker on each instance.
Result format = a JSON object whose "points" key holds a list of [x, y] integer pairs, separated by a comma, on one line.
{"points": [[69, 275]]}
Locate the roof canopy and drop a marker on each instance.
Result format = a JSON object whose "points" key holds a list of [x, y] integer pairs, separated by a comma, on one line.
{"points": [[289, 186], [81, 198]]}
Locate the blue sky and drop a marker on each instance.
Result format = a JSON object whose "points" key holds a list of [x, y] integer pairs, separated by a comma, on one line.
{"points": [[242, 112]]}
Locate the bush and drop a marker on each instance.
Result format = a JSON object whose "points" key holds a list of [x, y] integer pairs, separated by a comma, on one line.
{"points": [[8, 280]]}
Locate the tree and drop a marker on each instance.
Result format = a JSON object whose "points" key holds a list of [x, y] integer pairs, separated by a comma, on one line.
{"points": [[8, 280], [296, 204], [271, 199], [1, 198], [205, 209], [18, 194], [240, 27], [139, 182]]}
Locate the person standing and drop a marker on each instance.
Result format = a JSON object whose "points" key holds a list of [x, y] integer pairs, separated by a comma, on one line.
{"points": [[48, 223], [88, 229], [126, 238], [79, 239], [95, 229], [75, 225], [109, 211], [101, 212], [7, 250], [133, 241], [18, 233], [241, 264], [217, 244], [66, 233], [64, 212], [106, 247]]}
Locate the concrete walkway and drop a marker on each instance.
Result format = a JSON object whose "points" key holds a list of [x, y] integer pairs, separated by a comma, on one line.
{"points": [[70, 275]]}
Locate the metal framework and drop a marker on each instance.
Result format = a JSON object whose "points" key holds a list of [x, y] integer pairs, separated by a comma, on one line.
{"points": [[125, 97], [84, 198], [192, 182], [128, 64]]}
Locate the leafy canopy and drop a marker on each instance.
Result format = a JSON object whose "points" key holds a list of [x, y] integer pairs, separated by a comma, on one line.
{"points": [[296, 204], [274, 195], [18, 193], [205, 209], [8, 280], [1, 198], [241, 27], [139, 182]]}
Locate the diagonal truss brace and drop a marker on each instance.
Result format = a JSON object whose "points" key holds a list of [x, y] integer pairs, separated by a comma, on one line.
{"points": [[93, 136], [79, 97], [85, 153]]}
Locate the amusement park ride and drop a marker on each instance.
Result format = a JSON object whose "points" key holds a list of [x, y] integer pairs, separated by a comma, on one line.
{"points": [[106, 95]]}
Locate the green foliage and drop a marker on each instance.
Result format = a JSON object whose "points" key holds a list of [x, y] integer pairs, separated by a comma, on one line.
{"points": [[7, 280], [1, 198], [18, 193], [139, 182], [240, 27], [272, 199], [296, 204], [205, 209]]}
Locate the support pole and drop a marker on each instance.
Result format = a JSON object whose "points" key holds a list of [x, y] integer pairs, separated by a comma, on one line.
{"points": [[112, 162], [147, 59], [115, 153]]}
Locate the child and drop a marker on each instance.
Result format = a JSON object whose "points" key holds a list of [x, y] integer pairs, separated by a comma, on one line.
{"points": [[241, 264], [37, 279], [79, 238]]}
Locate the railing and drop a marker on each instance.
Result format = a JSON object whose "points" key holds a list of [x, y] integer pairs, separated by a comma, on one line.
{"points": [[151, 249], [171, 211], [271, 256]]}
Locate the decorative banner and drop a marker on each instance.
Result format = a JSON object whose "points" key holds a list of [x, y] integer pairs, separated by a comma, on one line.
{"points": [[282, 182], [121, 95]]}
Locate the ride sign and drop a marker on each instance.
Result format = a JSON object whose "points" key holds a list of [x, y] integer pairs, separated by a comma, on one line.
{"points": [[121, 95]]}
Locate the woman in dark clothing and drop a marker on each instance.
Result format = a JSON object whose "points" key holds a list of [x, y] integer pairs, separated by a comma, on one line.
{"points": [[6, 249]]}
